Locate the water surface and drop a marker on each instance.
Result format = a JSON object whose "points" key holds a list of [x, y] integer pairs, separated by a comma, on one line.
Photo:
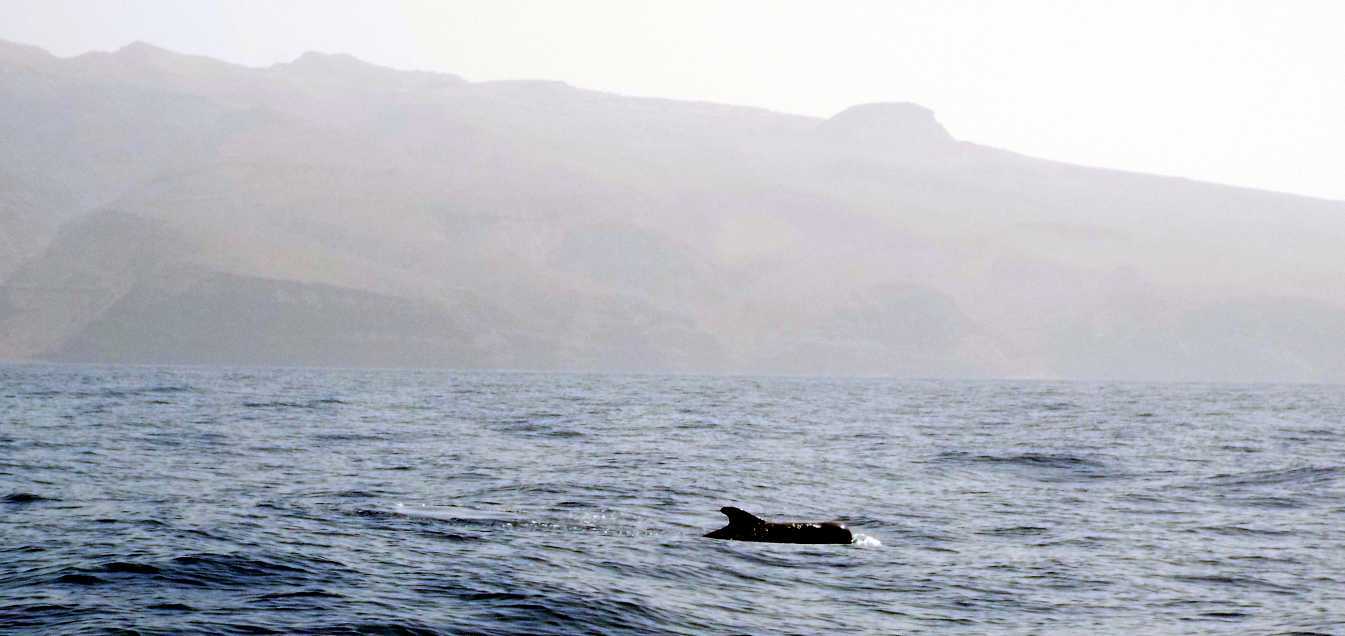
{"points": [[172, 500]]}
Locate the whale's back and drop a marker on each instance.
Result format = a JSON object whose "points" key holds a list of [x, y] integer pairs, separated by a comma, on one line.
{"points": [[744, 526]]}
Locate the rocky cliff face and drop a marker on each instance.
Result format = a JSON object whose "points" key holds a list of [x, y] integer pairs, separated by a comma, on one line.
{"points": [[156, 207]]}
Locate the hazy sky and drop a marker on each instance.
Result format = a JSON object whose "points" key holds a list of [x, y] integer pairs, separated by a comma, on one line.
{"points": [[1242, 92]]}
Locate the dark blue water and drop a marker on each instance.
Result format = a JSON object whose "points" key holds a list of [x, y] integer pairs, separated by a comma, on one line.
{"points": [[172, 500]]}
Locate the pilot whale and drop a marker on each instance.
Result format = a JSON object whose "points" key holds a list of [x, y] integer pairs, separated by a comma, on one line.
{"points": [[744, 526]]}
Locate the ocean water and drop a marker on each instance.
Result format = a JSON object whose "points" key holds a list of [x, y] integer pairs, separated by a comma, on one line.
{"points": [[179, 500]]}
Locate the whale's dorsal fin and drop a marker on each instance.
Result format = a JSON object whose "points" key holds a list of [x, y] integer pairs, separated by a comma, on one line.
{"points": [[740, 518]]}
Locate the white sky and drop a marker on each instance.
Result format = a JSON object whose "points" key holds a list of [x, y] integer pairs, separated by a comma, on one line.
{"points": [[1243, 92]]}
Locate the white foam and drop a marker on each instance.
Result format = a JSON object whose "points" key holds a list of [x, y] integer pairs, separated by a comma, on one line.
{"points": [[866, 541]]}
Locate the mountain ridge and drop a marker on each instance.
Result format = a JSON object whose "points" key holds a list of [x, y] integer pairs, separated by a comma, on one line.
{"points": [[547, 226]]}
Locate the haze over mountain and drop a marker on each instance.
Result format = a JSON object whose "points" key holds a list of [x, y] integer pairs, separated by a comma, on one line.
{"points": [[164, 208]]}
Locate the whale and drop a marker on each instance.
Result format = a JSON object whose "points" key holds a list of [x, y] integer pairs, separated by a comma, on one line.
{"points": [[745, 526]]}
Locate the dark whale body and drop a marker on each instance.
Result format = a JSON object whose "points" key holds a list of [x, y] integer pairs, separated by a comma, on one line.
{"points": [[744, 526]]}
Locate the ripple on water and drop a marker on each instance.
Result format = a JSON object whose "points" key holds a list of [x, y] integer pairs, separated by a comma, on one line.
{"points": [[1306, 475], [1038, 465], [24, 498]]}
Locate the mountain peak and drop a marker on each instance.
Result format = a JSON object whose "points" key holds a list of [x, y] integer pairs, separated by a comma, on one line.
{"points": [[341, 67], [330, 62], [143, 50], [888, 124], [13, 52]]}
